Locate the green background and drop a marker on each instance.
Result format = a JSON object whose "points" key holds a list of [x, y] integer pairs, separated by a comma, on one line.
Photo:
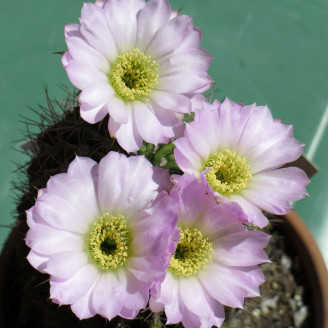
{"points": [[265, 51]]}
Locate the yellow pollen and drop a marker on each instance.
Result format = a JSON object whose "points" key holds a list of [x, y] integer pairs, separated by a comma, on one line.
{"points": [[108, 242], [192, 254], [229, 172], [134, 75]]}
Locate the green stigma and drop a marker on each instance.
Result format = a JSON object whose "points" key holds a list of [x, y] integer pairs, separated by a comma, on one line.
{"points": [[134, 75], [229, 172], [108, 242], [192, 254]]}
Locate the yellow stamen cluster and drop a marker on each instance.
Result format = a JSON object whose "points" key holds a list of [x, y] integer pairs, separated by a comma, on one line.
{"points": [[229, 172], [108, 242], [134, 75], [192, 254]]}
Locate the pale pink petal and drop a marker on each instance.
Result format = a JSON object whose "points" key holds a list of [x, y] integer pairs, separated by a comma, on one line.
{"points": [[174, 13], [59, 213], [218, 310], [29, 217], [66, 264], [126, 134], [206, 130], [192, 61], [72, 30], [170, 297], [83, 74], [92, 114], [230, 286], [71, 290], [163, 179], [170, 101], [230, 124], [176, 30], [37, 260], [143, 269], [274, 190], [95, 29], [186, 158], [82, 307], [96, 94], [128, 313], [224, 217], [118, 110], [122, 21], [148, 125], [283, 151], [150, 19], [191, 320], [100, 3], [66, 59], [47, 240], [185, 82], [134, 293], [82, 52], [198, 143], [188, 288], [242, 248], [194, 39], [253, 213], [155, 306], [105, 298], [118, 190], [190, 212]]}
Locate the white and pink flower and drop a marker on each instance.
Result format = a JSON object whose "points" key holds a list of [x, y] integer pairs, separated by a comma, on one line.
{"points": [[138, 62], [237, 152], [215, 262], [101, 231]]}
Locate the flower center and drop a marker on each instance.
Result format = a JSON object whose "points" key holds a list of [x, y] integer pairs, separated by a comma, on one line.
{"points": [[229, 172], [192, 254], [134, 75], [108, 242]]}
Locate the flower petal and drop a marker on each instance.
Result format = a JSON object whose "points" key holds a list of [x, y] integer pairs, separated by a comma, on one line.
{"points": [[176, 30], [82, 307], [46, 240], [96, 94], [82, 74], [149, 127], [274, 190], [92, 114], [242, 248], [253, 213], [96, 31], [118, 110], [185, 82], [105, 296], [64, 265], [125, 184], [72, 30], [150, 19], [71, 290], [82, 52], [122, 21], [230, 286], [192, 61], [171, 101], [127, 134], [188, 288]]}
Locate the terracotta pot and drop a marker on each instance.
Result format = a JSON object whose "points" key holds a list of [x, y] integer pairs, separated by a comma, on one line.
{"points": [[315, 269]]}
